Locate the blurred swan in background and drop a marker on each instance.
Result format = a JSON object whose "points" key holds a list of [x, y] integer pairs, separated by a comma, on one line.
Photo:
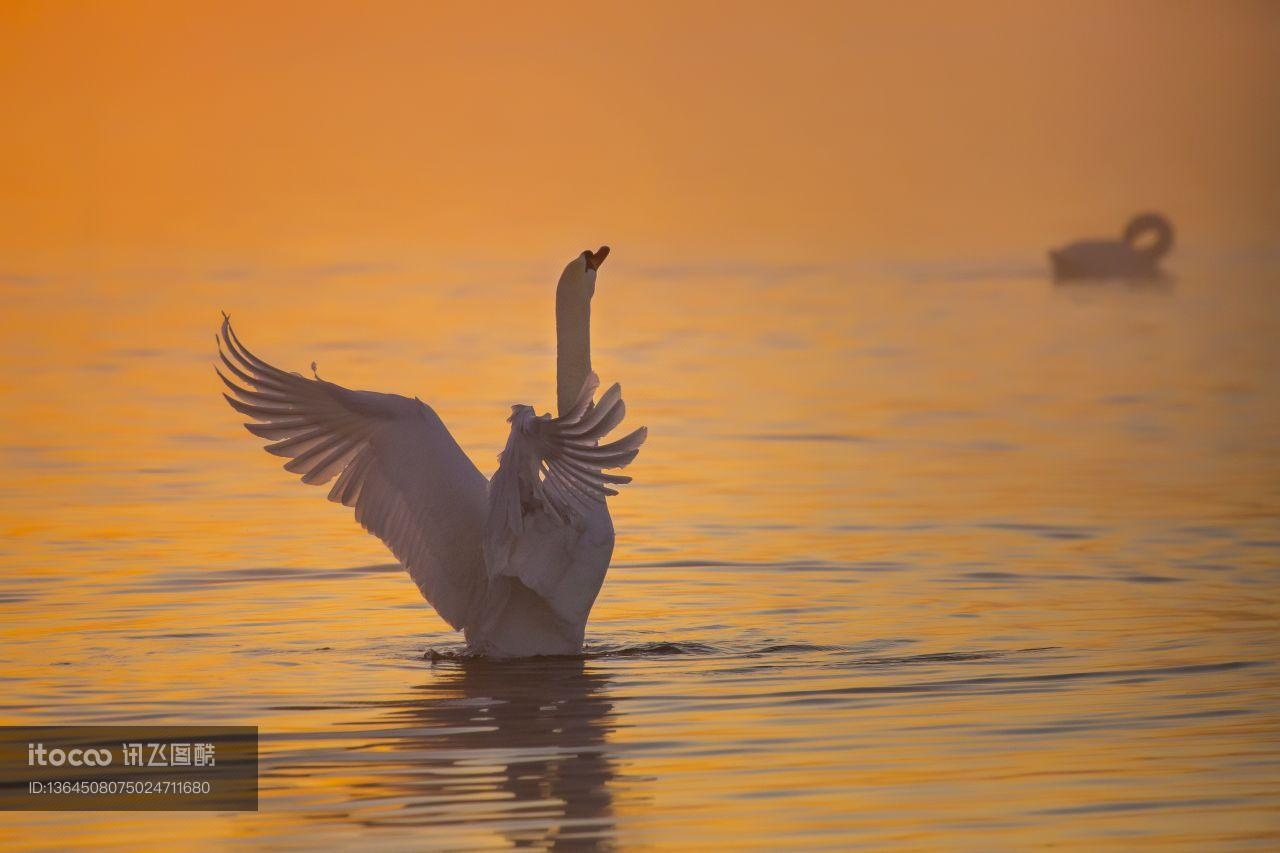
{"points": [[515, 562], [1147, 238]]}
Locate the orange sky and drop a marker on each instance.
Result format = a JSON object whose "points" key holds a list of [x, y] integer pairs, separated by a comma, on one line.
{"points": [[222, 133]]}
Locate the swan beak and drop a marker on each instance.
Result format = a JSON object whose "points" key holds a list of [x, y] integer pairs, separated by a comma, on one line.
{"points": [[596, 258]]}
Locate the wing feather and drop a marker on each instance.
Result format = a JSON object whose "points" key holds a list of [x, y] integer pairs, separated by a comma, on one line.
{"points": [[557, 465], [394, 461]]}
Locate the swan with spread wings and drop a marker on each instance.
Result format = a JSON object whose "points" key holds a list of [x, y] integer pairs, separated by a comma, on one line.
{"points": [[516, 561]]}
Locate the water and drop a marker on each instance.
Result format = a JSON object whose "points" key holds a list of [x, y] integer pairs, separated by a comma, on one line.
{"points": [[917, 558]]}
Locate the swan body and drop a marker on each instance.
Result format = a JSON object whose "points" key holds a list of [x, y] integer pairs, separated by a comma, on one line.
{"points": [[514, 561], [1123, 258]]}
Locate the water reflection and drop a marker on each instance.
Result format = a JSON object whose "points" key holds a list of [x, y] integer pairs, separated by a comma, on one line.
{"points": [[1162, 284], [524, 745]]}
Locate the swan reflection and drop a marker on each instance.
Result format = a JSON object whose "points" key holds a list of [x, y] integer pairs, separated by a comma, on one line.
{"points": [[519, 747]]}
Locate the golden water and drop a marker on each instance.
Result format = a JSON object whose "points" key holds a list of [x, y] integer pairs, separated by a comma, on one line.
{"points": [[916, 557]]}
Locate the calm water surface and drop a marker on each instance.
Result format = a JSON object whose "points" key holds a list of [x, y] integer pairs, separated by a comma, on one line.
{"points": [[939, 558]]}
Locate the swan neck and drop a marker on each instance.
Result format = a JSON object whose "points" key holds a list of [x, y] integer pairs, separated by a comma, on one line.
{"points": [[1162, 245], [1150, 223], [573, 349]]}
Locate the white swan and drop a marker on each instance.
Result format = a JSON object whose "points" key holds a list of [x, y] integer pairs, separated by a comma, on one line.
{"points": [[515, 562], [1123, 258]]}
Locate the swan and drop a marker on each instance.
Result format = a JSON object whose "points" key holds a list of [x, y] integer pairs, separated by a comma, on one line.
{"points": [[515, 562], [1123, 258]]}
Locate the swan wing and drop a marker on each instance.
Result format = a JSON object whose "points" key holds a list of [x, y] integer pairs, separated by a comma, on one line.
{"points": [[394, 461], [554, 468]]}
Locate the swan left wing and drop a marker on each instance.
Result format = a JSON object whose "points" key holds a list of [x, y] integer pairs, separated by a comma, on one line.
{"points": [[556, 466], [396, 464]]}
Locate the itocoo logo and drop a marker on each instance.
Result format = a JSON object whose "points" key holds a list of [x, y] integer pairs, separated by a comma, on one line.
{"points": [[37, 754]]}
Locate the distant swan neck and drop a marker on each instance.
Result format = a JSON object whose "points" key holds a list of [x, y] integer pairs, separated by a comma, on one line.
{"points": [[573, 348], [1150, 223]]}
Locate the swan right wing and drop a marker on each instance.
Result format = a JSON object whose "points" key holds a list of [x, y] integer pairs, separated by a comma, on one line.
{"points": [[395, 462], [554, 468]]}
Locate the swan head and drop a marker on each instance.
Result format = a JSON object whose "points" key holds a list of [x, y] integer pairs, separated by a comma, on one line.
{"points": [[578, 281]]}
